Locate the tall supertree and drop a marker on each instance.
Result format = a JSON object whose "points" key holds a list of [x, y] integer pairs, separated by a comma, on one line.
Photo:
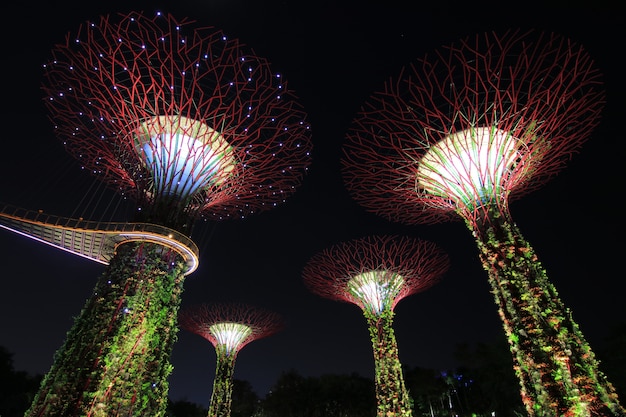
{"points": [[229, 327], [375, 273], [189, 124], [461, 134]]}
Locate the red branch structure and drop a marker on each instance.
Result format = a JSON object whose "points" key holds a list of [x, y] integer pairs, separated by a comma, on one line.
{"points": [[461, 134], [180, 118], [229, 327], [375, 273], [542, 93], [188, 123]]}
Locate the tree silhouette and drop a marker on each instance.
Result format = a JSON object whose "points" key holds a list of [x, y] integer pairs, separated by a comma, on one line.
{"points": [[245, 400], [326, 396], [493, 386], [291, 395], [427, 388], [17, 388], [184, 408]]}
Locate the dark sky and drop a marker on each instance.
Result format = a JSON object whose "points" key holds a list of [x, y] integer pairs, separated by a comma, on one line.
{"points": [[334, 55]]}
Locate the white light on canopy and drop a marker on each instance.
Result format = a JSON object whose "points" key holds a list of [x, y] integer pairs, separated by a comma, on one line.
{"points": [[470, 166], [183, 155], [376, 289], [230, 335]]}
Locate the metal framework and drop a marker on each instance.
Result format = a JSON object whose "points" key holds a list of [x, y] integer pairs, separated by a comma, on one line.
{"points": [[494, 116], [229, 327], [375, 273], [459, 135], [181, 119], [188, 124], [97, 241]]}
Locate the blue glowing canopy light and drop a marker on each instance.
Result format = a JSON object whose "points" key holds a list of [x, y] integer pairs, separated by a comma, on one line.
{"points": [[183, 155]]}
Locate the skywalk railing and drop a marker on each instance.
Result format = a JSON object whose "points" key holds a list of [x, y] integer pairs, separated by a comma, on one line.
{"points": [[93, 239]]}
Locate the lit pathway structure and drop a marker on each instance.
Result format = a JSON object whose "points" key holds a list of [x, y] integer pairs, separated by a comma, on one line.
{"points": [[375, 273], [460, 134], [188, 124], [97, 241]]}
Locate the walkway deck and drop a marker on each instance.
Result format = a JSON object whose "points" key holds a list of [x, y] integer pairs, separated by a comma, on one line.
{"points": [[94, 240]]}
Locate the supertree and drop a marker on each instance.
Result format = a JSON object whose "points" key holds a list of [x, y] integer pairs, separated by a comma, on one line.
{"points": [[460, 135], [229, 327], [189, 124], [375, 273]]}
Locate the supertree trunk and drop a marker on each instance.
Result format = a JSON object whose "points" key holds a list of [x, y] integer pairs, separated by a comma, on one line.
{"points": [[222, 396], [119, 369], [392, 396], [376, 273], [556, 367]]}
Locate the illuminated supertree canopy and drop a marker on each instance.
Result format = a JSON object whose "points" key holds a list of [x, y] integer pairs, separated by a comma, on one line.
{"points": [[479, 124], [462, 133], [229, 327], [189, 123], [184, 120], [375, 273]]}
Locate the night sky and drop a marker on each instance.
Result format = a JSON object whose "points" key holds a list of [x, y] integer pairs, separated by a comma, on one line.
{"points": [[333, 55]]}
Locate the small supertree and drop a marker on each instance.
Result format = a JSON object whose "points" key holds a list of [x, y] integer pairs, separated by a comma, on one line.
{"points": [[187, 123], [458, 136], [229, 327], [375, 273]]}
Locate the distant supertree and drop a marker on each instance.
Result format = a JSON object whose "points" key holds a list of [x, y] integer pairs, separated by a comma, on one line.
{"points": [[188, 123], [460, 135], [229, 327], [375, 273]]}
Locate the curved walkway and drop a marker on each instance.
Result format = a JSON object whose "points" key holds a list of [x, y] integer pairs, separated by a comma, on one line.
{"points": [[94, 240]]}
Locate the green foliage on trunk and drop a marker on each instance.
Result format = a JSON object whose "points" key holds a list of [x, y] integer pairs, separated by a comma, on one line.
{"points": [[391, 394], [558, 372], [115, 360], [222, 397]]}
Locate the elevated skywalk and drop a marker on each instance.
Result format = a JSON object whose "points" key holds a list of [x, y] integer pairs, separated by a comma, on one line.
{"points": [[94, 240]]}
